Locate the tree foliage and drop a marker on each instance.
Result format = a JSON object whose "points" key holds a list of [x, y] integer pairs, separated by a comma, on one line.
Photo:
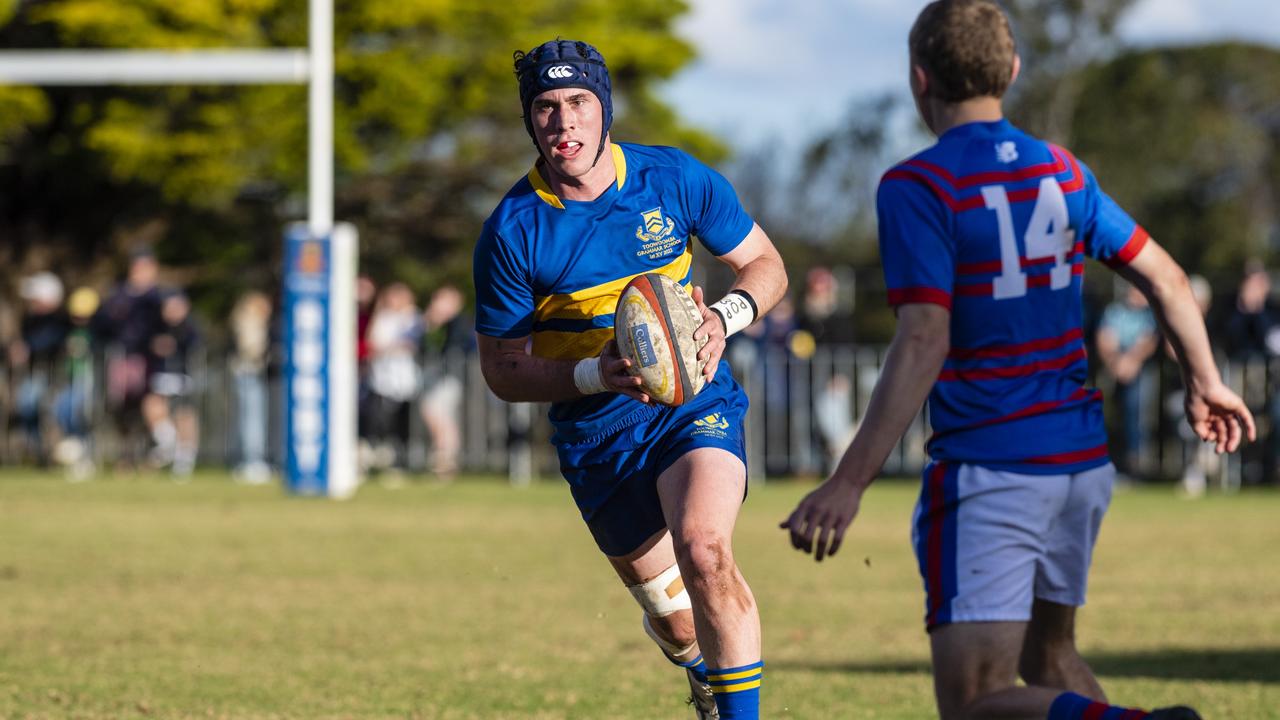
{"points": [[1056, 40], [1188, 141], [427, 128]]}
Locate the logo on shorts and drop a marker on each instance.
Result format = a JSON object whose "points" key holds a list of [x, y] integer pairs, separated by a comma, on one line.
{"points": [[656, 234], [713, 425]]}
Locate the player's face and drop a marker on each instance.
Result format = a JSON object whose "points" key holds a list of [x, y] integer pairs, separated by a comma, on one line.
{"points": [[567, 124]]}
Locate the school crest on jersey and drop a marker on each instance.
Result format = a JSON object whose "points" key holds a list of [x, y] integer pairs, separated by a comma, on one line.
{"points": [[656, 234]]}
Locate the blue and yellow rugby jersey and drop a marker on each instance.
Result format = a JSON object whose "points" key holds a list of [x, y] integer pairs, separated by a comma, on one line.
{"points": [[553, 269]]}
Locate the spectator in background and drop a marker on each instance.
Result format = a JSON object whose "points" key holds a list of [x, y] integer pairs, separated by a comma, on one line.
{"points": [[1127, 338], [833, 419], [43, 331], [126, 324], [251, 345], [394, 331], [366, 294], [1253, 324], [169, 406], [449, 335], [820, 314], [824, 324], [1253, 336], [72, 406]]}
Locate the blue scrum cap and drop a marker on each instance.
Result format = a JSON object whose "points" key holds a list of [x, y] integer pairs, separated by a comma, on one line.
{"points": [[563, 64]]}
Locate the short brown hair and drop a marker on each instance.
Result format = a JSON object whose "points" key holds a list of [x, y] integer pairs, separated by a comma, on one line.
{"points": [[967, 48]]}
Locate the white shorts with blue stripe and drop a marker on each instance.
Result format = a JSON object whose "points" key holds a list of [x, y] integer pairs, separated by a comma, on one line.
{"points": [[990, 542]]}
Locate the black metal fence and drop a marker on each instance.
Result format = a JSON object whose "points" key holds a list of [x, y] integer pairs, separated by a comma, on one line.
{"points": [[803, 413]]}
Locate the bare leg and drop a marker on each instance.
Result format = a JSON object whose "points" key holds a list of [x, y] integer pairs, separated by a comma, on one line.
{"points": [[977, 662], [188, 444], [1049, 655], [701, 494], [975, 666], [446, 441], [155, 412], [645, 563]]}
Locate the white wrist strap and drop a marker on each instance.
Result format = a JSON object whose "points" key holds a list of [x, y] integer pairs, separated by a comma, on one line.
{"points": [[586, 377], [736, 311]]}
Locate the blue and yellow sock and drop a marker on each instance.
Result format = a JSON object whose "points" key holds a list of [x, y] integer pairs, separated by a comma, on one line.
{"points": [[737, 690], [1070, 706], [697, 666]]}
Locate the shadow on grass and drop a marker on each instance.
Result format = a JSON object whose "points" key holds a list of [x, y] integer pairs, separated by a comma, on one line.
{"points": [[1218, 664]]}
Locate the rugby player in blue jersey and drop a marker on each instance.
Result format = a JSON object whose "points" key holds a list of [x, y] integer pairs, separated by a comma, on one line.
{"points": [[983, 238], [659, 487]]}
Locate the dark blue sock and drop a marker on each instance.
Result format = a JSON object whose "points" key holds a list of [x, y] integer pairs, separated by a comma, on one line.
{"points": [[697, 666]]}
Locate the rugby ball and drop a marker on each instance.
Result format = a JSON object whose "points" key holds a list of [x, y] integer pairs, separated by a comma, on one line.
{"points": [[654, 325]]}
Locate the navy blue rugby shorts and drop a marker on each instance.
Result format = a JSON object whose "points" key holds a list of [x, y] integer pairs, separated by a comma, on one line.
{"points": [[614, 476]]}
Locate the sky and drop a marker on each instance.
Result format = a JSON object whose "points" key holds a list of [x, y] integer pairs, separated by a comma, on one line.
{"points": [[784, 70]]}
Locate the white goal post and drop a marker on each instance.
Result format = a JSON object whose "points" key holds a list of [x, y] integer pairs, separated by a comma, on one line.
{"points": [[312, 65]]}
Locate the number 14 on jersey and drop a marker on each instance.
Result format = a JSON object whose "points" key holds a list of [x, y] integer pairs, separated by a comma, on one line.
{"points": [[1047, 238]]}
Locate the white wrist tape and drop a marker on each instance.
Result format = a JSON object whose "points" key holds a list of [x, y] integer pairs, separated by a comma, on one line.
{"points": [[586, 377], [736, 310]]}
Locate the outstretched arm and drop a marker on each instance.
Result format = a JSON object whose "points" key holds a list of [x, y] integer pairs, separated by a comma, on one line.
{"points": [[911, 366], [516, 376], [1215, 412]]}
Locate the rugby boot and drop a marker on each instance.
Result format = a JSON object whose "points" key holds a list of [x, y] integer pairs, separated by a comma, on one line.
{"points": [[1178, 712], [701, 698]]}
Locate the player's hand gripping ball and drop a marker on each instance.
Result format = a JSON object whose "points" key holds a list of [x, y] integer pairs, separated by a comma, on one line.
{"points": [[654, 326]]}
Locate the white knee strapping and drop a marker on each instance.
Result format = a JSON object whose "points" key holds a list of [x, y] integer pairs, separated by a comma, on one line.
{"points": [[675, 651], [662, 595]]}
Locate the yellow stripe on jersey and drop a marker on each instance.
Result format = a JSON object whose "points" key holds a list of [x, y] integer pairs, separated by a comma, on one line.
{"points": [[543, 190], [558, 345], [603, 299]]}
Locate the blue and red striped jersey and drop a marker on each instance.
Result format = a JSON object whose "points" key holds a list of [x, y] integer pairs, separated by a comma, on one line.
{"points": [[994, 225]]}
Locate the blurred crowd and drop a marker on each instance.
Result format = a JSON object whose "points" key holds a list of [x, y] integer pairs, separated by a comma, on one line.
{"points": [[1245, 333], [407, 355], [127, 352], [131, 361]]}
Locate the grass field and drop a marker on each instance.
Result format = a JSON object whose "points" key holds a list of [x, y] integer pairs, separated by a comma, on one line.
{"points": [[136, 597]]}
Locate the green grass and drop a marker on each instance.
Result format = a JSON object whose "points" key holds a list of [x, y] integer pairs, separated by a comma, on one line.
{"points": [[136, 597]]}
